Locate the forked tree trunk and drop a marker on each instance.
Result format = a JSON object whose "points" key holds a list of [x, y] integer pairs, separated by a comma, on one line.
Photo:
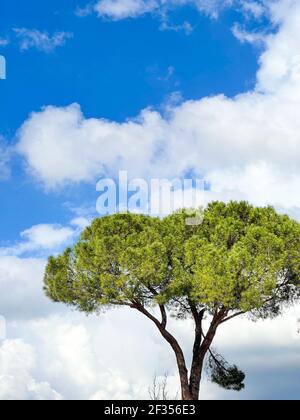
{"points": [[190, 387], [200, 351], [191, 392], [185, 393], [183, 372], [185, 389]]}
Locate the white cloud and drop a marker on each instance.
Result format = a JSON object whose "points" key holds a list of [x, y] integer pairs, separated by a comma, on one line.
{"points": [[123, 9], [41, 238], [115, 356], [47, 236], [227, 140], [21, 283], [186, 27], [80, 222], [209, 7], [41, 40], [246, 36], [17, 363], [247, 147], [254, 9], [120, 9], [88, 358], [22, 269], [84, 148], [60, 354]]}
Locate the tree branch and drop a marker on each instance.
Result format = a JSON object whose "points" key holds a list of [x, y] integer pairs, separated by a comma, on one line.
{"points": [[181, 363], [208, 339], [164, 318], [198, 317], [201, 348], [232, 316]]}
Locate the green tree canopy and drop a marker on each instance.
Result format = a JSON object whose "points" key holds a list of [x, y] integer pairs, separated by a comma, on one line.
{"points": [[240, 260]]}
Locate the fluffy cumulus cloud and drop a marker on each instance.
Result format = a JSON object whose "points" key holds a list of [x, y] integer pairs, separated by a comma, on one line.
{"points": [[21, 285], [41, 40], [47, 236], [42, 239], [22, 268], [91, 358], [17, 364], [246, 146]]}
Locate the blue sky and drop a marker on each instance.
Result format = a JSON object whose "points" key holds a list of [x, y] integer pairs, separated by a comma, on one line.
{"points": [[163, 88], [113, 70]]}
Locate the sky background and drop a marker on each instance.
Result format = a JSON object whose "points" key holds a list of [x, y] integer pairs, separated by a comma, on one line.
{"points": [[160, 89]]}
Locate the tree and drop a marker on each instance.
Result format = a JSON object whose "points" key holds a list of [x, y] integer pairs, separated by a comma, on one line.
{"points": [[240, 260]]}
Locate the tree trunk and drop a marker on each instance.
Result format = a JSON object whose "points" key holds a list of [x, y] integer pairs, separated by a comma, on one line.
{"points": [[195, 378], [190, 389], [200, 350], [183, 374], [185, 393], [198, 357]]}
